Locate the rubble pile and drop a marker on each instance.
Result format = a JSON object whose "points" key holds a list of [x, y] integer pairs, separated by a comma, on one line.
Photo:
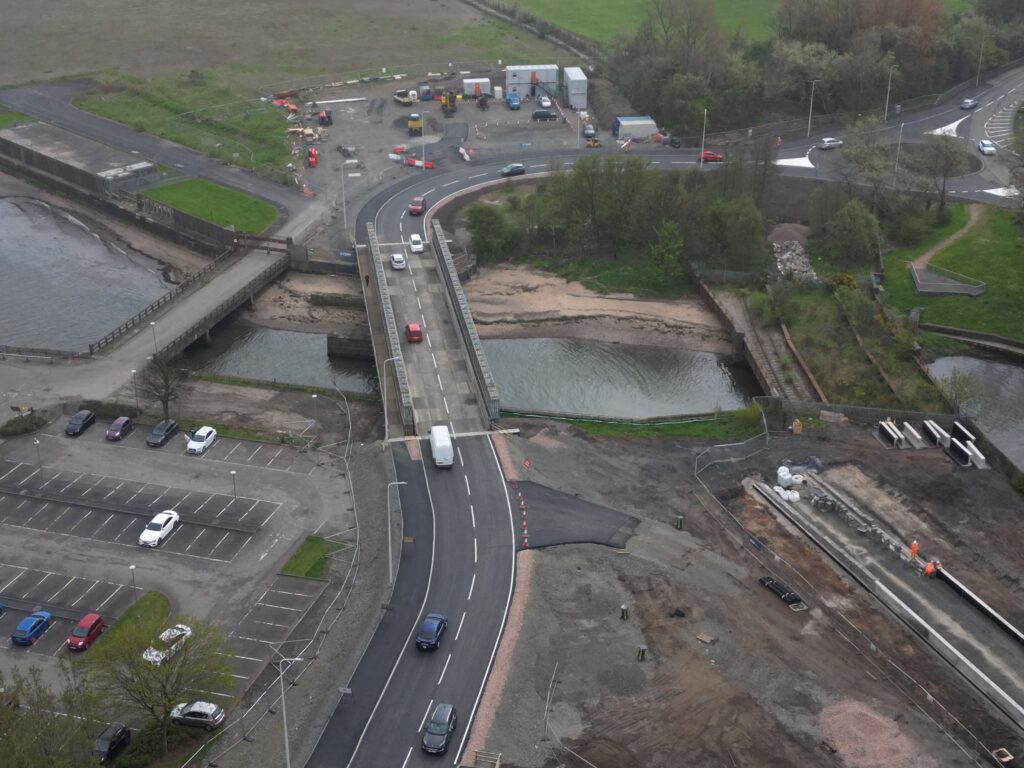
{"points": [[792, 262]]}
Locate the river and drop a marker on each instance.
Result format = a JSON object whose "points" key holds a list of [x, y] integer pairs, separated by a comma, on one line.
{"points": [[63, 286]]}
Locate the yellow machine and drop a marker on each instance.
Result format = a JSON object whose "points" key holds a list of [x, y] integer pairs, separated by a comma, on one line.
{"points": [[593, 143], [415, 124], [449, 103]]}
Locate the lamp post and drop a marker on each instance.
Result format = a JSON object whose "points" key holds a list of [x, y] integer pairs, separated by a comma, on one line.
{"points": [[234, 487], [156, 351], [131, 569], [896, 166], [391, 579], [39, 455], [315, 416], [703, 133], [284, 704], [810, 110], [888, 90], [981, 53], [384, 393], [136, 388]]}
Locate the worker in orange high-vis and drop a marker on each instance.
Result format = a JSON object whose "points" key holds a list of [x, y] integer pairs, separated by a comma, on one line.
{"points": [[913, 548], [929, 569]]}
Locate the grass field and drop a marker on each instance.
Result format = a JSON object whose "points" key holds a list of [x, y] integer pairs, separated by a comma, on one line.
{"points": [[311, 559], [994, 252], [7, 119], [730, 425], [603, 21], [151, 609], [218, 204]]}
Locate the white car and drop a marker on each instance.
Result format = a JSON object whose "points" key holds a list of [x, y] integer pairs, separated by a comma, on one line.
{"points": [[201, 439], [397, 261], [158, 529], [986, 147], [200, 714], [830, 143], [415, 243], [545, 102], [169, 643]]}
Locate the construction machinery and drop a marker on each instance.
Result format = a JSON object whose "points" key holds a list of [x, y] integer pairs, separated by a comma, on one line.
{"points": [[449, 103], [404, 97], [482, 101], [415, 124], [325, 117], [593, 143]]}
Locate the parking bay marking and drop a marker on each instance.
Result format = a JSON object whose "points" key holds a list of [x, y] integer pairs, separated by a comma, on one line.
{"points": [[27, 478], [80, 520], [54, 595], [109, 597], [33, 515], [16, 466], [72, 483], [50, 480], [57, 518], [114, 490], [90, 589]]}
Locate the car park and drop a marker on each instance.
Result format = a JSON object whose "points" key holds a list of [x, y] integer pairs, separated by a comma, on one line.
{"points": [[398, 261], [969, 104], [418, 206], [161, 433], [169, 642], [708, 156], [429, 636], [986, 147], [114, 738], [514, 169], [201, 439], [413, 333], [158, 529], [199, 714], [86, 632], [829, 143], [80, 422], [416, 243], [545, 102], [120, 428], [439, 730], [31, 628]]}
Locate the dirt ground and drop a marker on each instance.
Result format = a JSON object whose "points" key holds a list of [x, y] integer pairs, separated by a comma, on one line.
{"points": [[836, 685], [285, 304]]}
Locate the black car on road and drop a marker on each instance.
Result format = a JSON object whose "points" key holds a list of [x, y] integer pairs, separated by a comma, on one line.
{"points": [[113, 739], [80, 422], [429, 636], [440, 729], [161, 433], [515, 169]]}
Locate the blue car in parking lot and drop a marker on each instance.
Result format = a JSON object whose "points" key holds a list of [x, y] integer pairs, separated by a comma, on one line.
{"points": [[31, 628]]}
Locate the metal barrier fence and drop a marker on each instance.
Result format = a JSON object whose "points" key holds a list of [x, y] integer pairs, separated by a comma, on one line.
{"points": [[946, 281], [37, 352]]}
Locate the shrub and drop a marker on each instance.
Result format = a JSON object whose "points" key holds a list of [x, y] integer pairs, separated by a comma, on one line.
{"points": [[111, 410], [23, 425], [748, 418], [761, 308]]}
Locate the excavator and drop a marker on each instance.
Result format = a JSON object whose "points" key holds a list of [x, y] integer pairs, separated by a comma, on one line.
{"points": [[415, 124], [449, 103]]}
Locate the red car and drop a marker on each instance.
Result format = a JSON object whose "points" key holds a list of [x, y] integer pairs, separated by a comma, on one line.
{"points": [[413, 333], [86, 632], [312, 157], [121, 427], [707, 156], [417, 206]]}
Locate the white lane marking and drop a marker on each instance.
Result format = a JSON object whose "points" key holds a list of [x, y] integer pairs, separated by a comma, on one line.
{"points": [[201, 532], [220, 542], [434, 359], [472, 515], [459, 630], [400, 225], [129, 500], [84, 594], [99, 480], [23, 503], [477, 176], [282, 607], [98, 607], [425, 715], [450, 183], [246, 658], [275, 455], [414, 283], [16, 466], [474, 550], [538, 165], [7, 588], [33, 515], [203, 504], [459, 451], [439, 382], [445, 401], [237, 446], [418, 305], [472, 584], [446, 663], [50, 480], [69, 484], [466, 478], [54, 595], [81, 520], [114, 490], [253, 454], [250, 509], [429, 345], [57, 518], [27, 478], [407, 755], [154, 501]]}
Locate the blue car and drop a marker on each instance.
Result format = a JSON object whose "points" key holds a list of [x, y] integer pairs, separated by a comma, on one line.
{"points": [[31, 628], [429, 636]]}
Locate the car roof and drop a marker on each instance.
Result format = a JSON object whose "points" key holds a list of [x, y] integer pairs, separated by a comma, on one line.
{"points": [[442, 711], [418, 199], [122, 419], [83, 413], [413, 326], [165, 514], [88, 619], [202, 706], [203, 431], [164, 423], [112, 728]]}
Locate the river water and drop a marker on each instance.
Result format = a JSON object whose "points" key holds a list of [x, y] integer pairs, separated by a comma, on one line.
{"points": [[999, 410], [61, 286]]}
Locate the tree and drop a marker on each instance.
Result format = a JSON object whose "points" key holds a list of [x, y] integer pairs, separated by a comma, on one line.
{"points": [[667, 250], [121, 674], [853, 235], [940, 159], [494, 238], [867, 160], [163, 382], [961, 389]]}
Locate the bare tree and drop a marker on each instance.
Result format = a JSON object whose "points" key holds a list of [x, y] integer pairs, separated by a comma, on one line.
{"points": [[941, 159], [866, 160], [164, 383]]}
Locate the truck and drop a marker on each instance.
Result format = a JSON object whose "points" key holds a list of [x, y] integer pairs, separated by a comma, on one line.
{"points": [[512, 100], [441, 446], [405, 97], [415, 124]]}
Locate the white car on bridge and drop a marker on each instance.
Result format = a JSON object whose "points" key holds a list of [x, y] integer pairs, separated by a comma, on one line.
{"points": [[416, 244]]}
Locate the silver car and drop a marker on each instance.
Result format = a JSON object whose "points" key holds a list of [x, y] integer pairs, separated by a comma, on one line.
{"points": [[830, 143], [169, 643], [200, 714], [986, 147]]}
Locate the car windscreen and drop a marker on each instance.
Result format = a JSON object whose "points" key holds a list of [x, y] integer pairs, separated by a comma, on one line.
{"points": [[80, 632], [21, 632], [154, 527], [437, 728]]}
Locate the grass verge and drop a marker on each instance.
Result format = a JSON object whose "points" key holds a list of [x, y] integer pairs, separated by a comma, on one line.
{"points": [[311, 559], [731, 425], [22, 425], [280, 386], [151, 609], [992, 252], [218, 204], [7, 119], [643, 278]]}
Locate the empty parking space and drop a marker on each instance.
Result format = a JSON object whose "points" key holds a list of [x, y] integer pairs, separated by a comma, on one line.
{"points": [[215, 526]]}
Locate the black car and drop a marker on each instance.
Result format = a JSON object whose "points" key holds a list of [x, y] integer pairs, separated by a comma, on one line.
{"points": [[114, 738], [429, 636], [781, 589], [120, 428], [515, 169], [80, 422], [161, 433], [440, 729], [544, 114]]}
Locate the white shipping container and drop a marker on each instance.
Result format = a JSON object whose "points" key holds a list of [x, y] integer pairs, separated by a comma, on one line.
{"points": [[474, 86], [575, 83], [499, 94]]}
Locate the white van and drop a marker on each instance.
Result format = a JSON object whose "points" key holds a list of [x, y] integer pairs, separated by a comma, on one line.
{"points": [[441, 446]]}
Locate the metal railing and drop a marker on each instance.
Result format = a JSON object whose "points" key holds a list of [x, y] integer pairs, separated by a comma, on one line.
{"points": [[37, 352]]}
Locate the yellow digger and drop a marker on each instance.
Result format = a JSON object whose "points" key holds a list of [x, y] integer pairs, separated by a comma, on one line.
{"points": [[593, 143]]}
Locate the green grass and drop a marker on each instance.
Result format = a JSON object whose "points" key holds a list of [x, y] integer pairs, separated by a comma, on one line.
{"points": [[281, 386], [151, 609], [22, 425], [311, 558], [994, 252], [643, 278], [7, 119], [729, 426], [218, 204]]}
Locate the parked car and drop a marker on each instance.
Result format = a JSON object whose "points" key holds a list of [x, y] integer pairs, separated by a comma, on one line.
{"points": [[781, 589], [86, 632], [398, 261], [80, 422], [429, 636], [544, 114], [514, 169], [829, 143], [31, 628], [545, 102], [418, 206], [708, 156], [589, 131], [413, 333], [201, 439], [167, 644], [114, 738], [986, 147], [969, 104], [161, 433], [120, 428], [158, 529], [440, 729], [200, 714], [416, 244]]}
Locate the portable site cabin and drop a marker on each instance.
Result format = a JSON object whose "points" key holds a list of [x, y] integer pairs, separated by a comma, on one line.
{"points": [[638, 127], [575, 84], [476, 86], [532, 80]]}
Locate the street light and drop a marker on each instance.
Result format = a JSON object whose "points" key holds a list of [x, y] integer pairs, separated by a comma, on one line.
{"points": [[284, 705], [384, 392], [391, 579], [156, 351], [810, 110], [234, 486], [703, 133], [315, 419], [888, 90], [981, 53], [896, 167], [132, 569], [39, 455], [136, 388]]}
